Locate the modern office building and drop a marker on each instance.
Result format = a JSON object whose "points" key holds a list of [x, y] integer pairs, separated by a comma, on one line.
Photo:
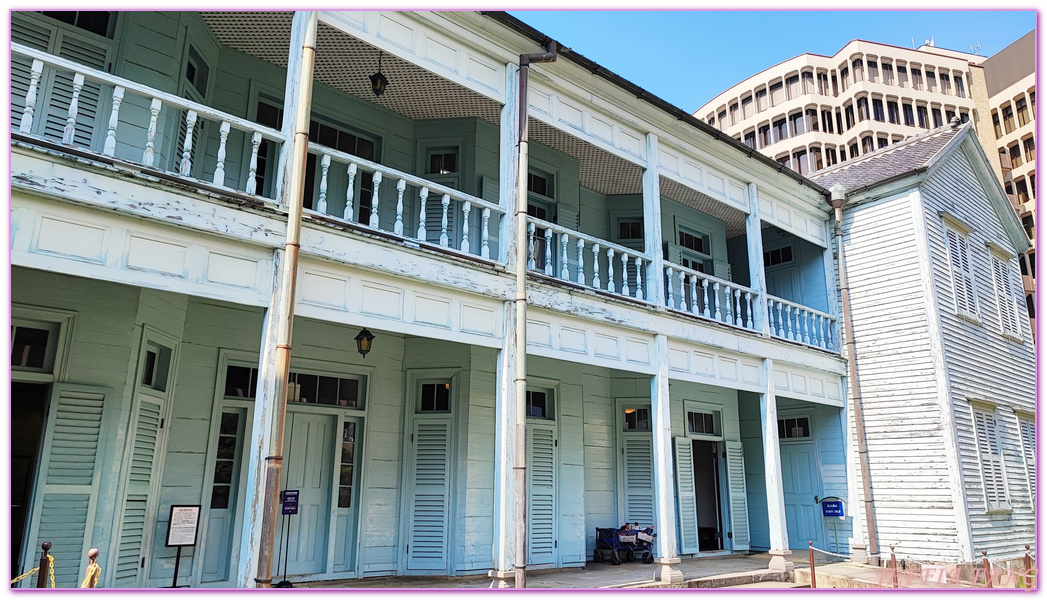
{"points": [[1010, 83]]}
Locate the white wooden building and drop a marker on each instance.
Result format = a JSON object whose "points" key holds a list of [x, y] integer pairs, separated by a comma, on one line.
{"points": [[945, 355], [683, 353]]}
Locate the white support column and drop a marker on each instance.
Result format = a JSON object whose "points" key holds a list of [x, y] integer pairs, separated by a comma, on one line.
{"points": [[757, 275], [667, 561], [502, 575], [652, 216], [508, 167], [772, 465]]}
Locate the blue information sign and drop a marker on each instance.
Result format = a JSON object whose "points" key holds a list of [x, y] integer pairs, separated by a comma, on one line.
{"points": [[832, 508], [289, 498]]}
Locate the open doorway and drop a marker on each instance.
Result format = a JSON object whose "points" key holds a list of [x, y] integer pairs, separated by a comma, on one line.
{"points": [[28, 415], [708, 494]]}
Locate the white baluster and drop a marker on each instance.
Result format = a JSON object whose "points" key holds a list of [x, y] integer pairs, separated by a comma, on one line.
{"points": [[817, 337], [74, 107], [150, 134], [669, 291], [373, 221], [683, 295], [716, 301], [788, 321], [114, 119], [727, 301], [325, 166], [348, 213], [187, 146], [219, 169], [737, 310], [781, 331], [530, 246], [639, 278], [549, 252], [693, 281], [423, 195], [485, 248], [625, 274], [705, 294], [398, 226], [564, 272], [30, 96], [445, 201], [581, 262], [610, 270], [466, 207], [806, 338], [252, 168], [596, 266], [749, 309]]}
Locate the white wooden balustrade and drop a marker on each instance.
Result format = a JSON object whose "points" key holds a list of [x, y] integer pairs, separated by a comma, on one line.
{"points": [[160, 104], [597, 264], [708, 297], [792, 321], [457, 228]]}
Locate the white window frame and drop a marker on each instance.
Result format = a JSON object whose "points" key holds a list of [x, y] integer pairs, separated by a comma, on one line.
{"points": [[696, 406], [990, 454], [810, 427], [1006, 301], [966, 305]]}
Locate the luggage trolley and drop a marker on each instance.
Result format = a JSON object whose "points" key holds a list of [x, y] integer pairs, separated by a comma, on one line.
{"points": [[627, 541]]}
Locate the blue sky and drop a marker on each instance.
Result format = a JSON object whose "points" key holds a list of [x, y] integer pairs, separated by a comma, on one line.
{"points": [[688, 57]]}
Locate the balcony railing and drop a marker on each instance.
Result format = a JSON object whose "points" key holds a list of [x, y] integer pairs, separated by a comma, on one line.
{"points": [[585, 260], [797, 323], [708, 297]]}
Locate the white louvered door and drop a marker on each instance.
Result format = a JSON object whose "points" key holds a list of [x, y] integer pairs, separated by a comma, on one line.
{"points": [[541, 494], [135, 526], [64, 501], [430, 494], [686, 502], [739, 533], [638, 478], [991, 460]]}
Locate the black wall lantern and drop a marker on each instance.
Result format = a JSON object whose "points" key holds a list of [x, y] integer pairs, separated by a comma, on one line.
{"points": [[378, 81], [363, 341]]}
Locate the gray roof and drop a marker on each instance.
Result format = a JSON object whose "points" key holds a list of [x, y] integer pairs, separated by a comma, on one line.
{"points": [[891, 162]]}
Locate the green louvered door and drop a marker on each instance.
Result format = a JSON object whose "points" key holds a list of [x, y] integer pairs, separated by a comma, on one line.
{"points": [[541, 494], [686, 501], [429, 506], [135, 525], [638, 477], [65, 499], [739, 504]]}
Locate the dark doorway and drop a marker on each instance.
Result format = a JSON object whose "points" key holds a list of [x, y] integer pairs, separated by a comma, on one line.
{"points": [[28, 414], [707, 494]]}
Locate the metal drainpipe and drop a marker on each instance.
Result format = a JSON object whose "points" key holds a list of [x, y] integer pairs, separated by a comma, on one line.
{"points": [[521, 319], [288, 278], [839, 198]]}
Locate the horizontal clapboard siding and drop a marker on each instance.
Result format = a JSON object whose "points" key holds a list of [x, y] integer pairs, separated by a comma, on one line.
{"points": [[982, 363], [904, 425]]}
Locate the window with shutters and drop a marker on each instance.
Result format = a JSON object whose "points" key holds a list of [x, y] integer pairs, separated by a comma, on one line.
{"points": [[1027, 429], [636, 479], [1006, 298], [990, 457], [962, 273]]}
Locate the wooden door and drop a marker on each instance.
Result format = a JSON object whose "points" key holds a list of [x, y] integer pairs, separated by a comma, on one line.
{"points": [[800, 484], [309, 447], [430, 485], [541, 494]]}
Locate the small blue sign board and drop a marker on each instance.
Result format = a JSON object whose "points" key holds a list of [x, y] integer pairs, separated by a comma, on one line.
{"points": [[289, 498], [832, 508]]}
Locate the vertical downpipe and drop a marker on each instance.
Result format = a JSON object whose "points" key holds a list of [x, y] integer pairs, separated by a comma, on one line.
{"points": [[520, 567], [288, 279]]}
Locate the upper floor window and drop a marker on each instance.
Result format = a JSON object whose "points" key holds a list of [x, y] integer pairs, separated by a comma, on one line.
{"points": [[863, 108], [960, 91], [936, 116], [991, 458], [907, 111], [99, 22], [874, 71], [878, 109], [750, 139], [996, 125], [747, 107], [827, 121], [630, 229], [932, 81], [197, 72], [1023, 112], [1008, 119], [848, 112], [1030, 149], [857, 65], [808, 82], [794, 428], [946, 86], [721, 117], [917, 78], [888, 73], [792, 85], [796, 123], [761, 100], [811, 119], [1006, 299], [780, 131], [765, 135], [962, 274], [734, 113], [540, 184], [443, 161], [921, 117], [780, 255], [777, 94], [823, 84], [696, 253]]}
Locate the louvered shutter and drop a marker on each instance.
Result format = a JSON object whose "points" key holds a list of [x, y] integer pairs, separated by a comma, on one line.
{"points": [[430, 493], [434, 210], [33, 35], [541, 495], [1028, 433], [61, 92], [991, 461], [686, 502], [738, 500], [639, 479], [963, 282], [141, 474], [67, 485], [1005, 298]]}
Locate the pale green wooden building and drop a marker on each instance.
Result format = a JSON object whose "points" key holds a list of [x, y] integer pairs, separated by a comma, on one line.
{"points": [[684, 367]]}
